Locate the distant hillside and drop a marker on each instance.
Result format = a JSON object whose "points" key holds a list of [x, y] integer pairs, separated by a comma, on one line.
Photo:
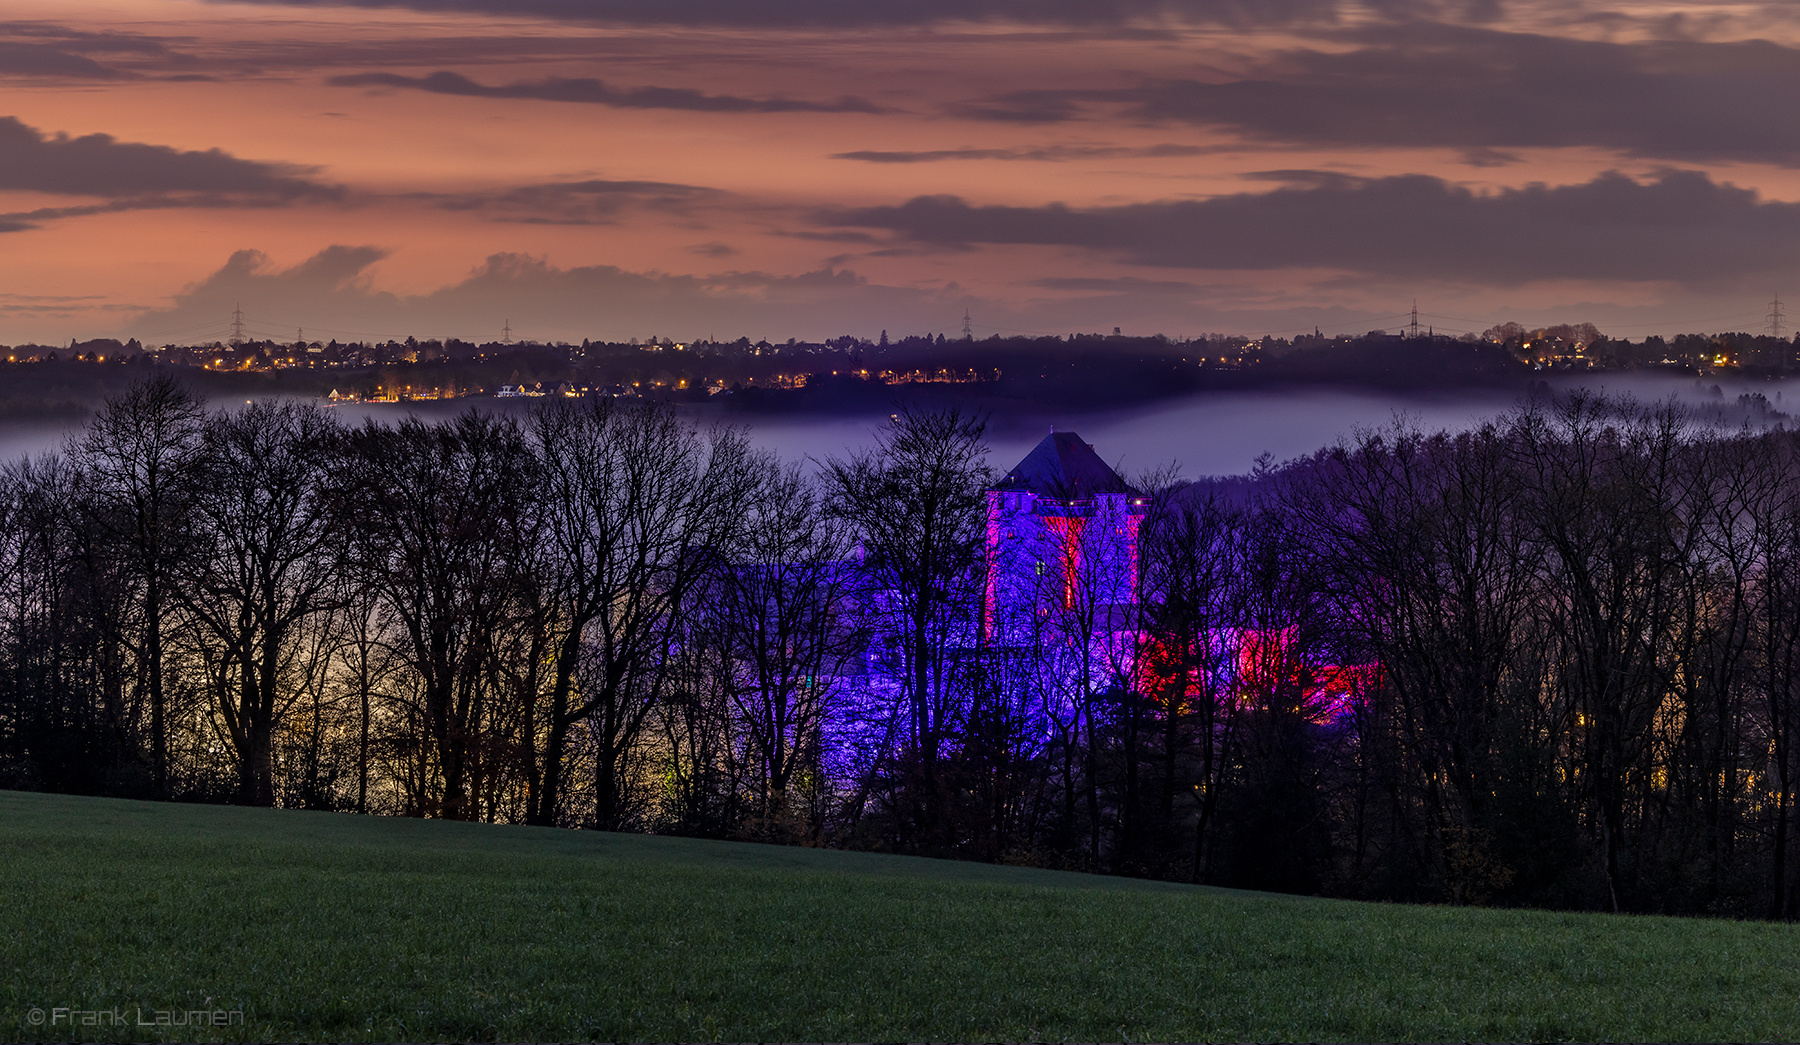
{"points": [[1093, 371], [1391, 362]]}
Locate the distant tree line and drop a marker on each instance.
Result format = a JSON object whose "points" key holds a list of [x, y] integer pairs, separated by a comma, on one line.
{"points": [[848, 373], [1551, 661]]}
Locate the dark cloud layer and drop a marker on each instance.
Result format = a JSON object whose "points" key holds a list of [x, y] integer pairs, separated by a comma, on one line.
{"points": [[1043, 154], [789, 13], [331, 291], [1682, 227], [30, 59], [597, 92], [85, 41], [1481, 91], [332, 294], [53, 51], [25, 220], [592, 202], [100, 165]]}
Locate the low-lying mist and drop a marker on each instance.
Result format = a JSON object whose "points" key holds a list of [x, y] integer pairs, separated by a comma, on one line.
{"points": [[1214, 433], [1224, 433]]}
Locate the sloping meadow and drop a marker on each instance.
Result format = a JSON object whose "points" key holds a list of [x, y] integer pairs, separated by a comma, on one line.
{"points": [[139, 921]]}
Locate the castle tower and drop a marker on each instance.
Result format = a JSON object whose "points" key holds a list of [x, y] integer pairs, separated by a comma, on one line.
{"points": [[1062, 540]]}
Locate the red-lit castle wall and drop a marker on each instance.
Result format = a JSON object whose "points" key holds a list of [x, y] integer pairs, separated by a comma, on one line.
{"points": [[1057, 558]]}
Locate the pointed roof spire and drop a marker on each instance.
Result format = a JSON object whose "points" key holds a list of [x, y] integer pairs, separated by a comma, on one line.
{"points": [[1063, 466]]}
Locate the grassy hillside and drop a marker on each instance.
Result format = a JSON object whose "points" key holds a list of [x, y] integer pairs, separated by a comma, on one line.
{"points": [[318, 926]]}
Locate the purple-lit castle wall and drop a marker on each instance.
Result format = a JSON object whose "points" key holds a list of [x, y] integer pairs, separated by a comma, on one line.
{"points": [[1061, 617], [1062, 546], [1058, 595], [1060, 608]]}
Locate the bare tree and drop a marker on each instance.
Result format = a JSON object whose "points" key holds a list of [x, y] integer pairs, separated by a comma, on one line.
{"points": [[435, 513], [261, 569], [1192, 559], [1774, 653], [366, 663], [702, 759], [1427, 566], [787, 614], [915, 503], [635, 501], [1611, 502], [1081, 572], [139, 456]]}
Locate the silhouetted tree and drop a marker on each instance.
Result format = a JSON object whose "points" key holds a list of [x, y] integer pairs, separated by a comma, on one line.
{"points": [[139, 458], [261, 570], [435, 513], [914, 502], [636, 500]]}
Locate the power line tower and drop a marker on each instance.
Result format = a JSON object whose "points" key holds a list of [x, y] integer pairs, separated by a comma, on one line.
{"points": [[968, 327], [237, 324], [1775, 317], [1412, 329], [506, 333]]}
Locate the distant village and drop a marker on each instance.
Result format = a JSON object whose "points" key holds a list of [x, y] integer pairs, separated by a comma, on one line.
{"points": [[1089, 369], [398, 371]]}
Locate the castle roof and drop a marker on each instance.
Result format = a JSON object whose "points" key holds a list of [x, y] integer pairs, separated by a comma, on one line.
{"points": [[1063, 466]]}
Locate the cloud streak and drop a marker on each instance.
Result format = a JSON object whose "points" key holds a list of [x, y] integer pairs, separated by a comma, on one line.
{"points": [[597, 92], [101, 165], [592, 202], [27, 59], [333, 290], [1040, 154], [333, 294], [1478, 90], [1681, 227], [837, 13], [47, 50], [85, 41]]}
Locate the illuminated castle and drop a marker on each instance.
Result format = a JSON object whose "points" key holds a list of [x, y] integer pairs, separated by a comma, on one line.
{"points": [[1063, 583], [1062, 545]]}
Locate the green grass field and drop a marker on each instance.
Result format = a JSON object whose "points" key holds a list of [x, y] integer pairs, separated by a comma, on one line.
{"points": [[317, 926]]}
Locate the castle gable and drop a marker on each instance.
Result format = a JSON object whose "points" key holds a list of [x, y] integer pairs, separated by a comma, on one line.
{"points": [[1064, 467]]}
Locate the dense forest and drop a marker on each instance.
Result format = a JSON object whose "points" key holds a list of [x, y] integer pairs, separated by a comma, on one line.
{"points": [[1551, 661]]}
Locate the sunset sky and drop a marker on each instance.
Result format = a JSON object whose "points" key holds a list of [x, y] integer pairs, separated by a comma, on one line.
{"points": [[695, 168]]}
